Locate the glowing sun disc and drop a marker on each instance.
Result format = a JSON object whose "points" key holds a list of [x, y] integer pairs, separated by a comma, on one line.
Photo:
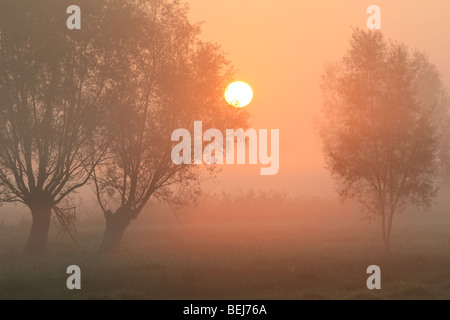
{"points": [[239, 94]]}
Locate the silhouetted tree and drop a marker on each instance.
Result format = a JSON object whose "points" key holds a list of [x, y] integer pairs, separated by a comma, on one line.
{"points": [[381, 126], [50, 90], [164, 78]]}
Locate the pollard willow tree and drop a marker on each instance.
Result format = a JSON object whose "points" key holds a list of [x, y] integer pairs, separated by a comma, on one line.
{"points": [[382, 126], [51, 85], [163, 78]]}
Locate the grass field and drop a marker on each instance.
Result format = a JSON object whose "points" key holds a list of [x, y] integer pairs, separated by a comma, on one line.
{"points": [[291, 257]]}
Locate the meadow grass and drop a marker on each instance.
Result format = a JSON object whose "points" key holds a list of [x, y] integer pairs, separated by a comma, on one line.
{"points": [[248, 260]]}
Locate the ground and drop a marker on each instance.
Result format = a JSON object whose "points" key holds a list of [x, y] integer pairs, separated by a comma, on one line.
{"points": [[291, 258]]}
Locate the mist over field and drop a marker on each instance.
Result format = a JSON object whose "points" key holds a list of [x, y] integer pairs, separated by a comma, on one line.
{"points": [[113, 120], [249, 248]]}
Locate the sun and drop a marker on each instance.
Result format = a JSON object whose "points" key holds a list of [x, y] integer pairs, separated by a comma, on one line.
{"points": [[239, 94]]}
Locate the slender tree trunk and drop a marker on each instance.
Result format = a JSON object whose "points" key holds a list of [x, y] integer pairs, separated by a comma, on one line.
{"points": [[37, 240], [387, 244], [115, 228], [386, 233], [389, 232]]}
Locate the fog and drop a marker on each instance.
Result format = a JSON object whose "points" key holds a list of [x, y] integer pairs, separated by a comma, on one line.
{"points": [[234, 233]]}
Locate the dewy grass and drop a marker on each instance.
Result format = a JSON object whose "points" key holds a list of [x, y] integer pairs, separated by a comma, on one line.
{"points": [[298, 259]]}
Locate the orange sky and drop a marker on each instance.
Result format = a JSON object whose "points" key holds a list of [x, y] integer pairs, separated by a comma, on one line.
{"points": [[280, 49]]}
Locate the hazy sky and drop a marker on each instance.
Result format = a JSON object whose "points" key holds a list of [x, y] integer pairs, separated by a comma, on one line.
{"points": [[280, 49]]}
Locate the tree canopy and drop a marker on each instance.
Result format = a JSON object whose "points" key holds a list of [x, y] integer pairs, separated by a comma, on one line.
{"points": [[162, 77], [51, 86], [381, 125]]}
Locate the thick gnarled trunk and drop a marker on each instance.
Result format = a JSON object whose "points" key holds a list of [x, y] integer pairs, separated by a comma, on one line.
{"points": [[115, 228], [37, 239]]}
